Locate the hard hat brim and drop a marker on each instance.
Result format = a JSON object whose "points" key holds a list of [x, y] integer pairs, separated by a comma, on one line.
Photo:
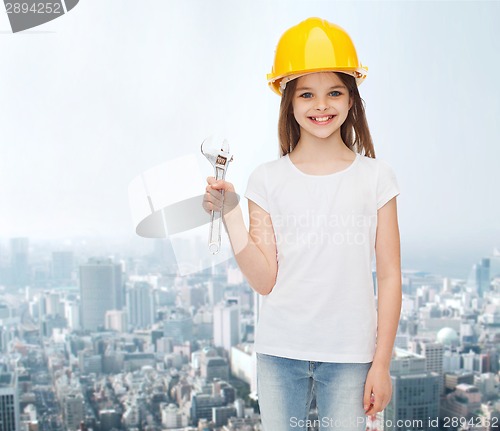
{"points": [[278, 84]]}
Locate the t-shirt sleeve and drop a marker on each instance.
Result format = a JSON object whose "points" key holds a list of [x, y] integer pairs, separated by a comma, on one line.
{"points": [[256, 188], [387, 184]]}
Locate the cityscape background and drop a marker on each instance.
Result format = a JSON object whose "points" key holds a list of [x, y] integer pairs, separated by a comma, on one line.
{"points": [[98, 330], [123, 342]]}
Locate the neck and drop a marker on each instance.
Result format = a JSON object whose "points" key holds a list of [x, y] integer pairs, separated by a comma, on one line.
{"points": [[312, 148]]}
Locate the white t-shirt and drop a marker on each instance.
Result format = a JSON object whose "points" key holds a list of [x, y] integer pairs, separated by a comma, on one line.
{"points": [[322, 307]]}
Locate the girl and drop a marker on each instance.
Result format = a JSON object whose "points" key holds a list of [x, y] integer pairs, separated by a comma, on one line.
{"points": [[318, 215]]}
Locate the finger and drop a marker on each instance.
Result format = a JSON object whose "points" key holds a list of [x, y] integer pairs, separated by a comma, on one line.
{"points": [[366, 398], [212, 207], [214, 200], [214, 196], [219, 184], [378, 405], [209, 189], [214, 192], [211, 180], [207, 208]]}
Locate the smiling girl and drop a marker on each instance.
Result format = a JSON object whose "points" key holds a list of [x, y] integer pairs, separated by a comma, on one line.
{"points": [[318, 216]]}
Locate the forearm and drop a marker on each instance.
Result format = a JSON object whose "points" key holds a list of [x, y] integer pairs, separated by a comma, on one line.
{"points": [[389, 310], [251, 260]]}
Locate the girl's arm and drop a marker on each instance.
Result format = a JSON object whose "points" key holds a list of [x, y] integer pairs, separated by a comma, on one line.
{"points": [[388, 258], [254, 251]]}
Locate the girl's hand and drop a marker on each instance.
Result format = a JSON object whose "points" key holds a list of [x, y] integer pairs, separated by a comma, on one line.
{"points": [[378, 390], [212, 200]]}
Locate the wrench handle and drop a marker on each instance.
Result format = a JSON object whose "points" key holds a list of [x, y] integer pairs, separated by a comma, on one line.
{"points": [[216, 218]]}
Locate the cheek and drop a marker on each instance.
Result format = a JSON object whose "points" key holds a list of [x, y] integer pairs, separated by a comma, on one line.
{"points": [[298, 110]]}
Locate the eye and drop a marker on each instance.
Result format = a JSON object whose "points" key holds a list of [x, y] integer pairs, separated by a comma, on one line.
{"points": [[306, 95], [335, 93]]}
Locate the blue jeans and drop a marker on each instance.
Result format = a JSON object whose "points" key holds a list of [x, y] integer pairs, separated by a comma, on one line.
{"points": [[285, 389]]}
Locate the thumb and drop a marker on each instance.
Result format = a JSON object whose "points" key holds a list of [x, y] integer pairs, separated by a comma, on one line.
{"points": [[211, 180]]}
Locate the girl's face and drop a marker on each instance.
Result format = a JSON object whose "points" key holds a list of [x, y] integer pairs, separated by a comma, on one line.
{"points": [[320, 104]]}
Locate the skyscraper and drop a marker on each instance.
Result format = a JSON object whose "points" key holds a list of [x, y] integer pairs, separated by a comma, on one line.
{"points": [[433, 353], [62, 267], [74, 410], [100, 290], [479, 277], [19, 266], [483, 276], [9, 403], [226, 325], [415, 396], [140, 305]]}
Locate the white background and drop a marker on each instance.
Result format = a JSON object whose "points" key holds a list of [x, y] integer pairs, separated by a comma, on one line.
{"points": [[96, 97]]}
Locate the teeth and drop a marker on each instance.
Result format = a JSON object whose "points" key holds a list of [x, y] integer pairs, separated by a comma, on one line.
{"points": [[321, 119]]}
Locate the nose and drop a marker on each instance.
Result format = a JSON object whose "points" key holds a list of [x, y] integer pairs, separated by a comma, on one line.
{"points": [[321, 104]]}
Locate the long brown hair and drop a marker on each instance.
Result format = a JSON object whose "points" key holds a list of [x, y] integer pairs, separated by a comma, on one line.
{"points": [[354, 132]]}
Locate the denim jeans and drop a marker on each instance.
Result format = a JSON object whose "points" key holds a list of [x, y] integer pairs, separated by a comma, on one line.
{"points": [[285, 389]]}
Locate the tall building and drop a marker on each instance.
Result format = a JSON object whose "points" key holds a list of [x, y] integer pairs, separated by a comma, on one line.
{"points": [[202, 405], [74, 411], [9, 403], [483, 277], [62, 267], [72, 314], [179, 327], [116, 320], [221, 415], [215, 291], [433, 353], [226, 324], [19, 265], [415, 395], [243, 365], [480, 277], [101, 289], [141, 305], [451, 361], [51, 304]]}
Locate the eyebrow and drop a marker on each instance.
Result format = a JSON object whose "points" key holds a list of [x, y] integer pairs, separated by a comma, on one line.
{"points": [[331, 88]]}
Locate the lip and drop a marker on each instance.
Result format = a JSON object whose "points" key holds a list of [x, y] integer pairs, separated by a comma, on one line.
{"points": [[322, 123]]}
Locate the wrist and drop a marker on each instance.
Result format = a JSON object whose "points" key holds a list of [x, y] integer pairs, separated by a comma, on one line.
{"points": [[231, 215], [381, 364]]}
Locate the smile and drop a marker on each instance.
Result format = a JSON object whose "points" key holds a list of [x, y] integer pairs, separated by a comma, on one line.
{"points": [[321, 120]]}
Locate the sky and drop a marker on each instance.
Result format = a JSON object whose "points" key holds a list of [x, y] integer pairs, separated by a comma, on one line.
{"points": [[95, 98]]}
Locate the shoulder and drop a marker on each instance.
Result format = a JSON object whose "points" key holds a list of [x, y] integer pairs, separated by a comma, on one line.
{"points": [[375, 165], [270, 166]]}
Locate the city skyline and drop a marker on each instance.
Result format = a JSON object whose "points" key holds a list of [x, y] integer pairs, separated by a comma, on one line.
{"points": [[456, 263], [177, 351]]}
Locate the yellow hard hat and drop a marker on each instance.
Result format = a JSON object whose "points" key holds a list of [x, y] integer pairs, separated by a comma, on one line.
{"points": [[314, 45]]}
